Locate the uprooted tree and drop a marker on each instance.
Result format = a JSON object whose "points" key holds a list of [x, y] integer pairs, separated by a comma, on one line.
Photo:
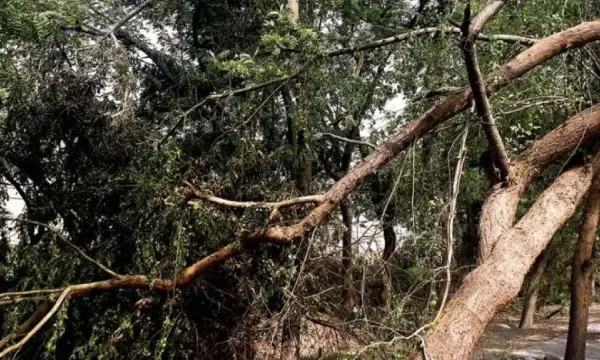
{"points": [[194, 174]]}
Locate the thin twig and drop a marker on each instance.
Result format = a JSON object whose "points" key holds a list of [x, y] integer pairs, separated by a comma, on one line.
{"points": [[66, 241], [30, 292], [425, 31], [451, 216], [57, 305], [13, 301], [341, 138]]}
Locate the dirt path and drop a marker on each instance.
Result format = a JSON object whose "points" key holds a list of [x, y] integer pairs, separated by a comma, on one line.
{"points": [[504, 340]]}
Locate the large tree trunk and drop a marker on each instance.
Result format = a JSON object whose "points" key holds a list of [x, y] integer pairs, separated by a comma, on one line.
{"points": [[500, 207], [582, 275], [533, 285], [498, 280]]}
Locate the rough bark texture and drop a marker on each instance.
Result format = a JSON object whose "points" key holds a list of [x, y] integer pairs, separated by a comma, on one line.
{"points": [[582, 275], [500, 207], [497, 281], [533, 285]]}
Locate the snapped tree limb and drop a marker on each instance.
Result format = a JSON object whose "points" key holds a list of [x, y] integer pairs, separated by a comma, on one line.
{"points": [[482, 103]]}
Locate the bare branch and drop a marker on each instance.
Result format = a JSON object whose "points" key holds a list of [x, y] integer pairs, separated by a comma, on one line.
{"points": [[482, 103], [13, 301], [193, 193], [129, 16], [424, 31], [39, 325], [451, 215], [29, 293], [66, 241], [358, 142], [484, 16]]}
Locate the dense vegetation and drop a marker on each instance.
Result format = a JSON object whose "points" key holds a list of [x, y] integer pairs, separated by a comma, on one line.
{"points": [[127, 126]]}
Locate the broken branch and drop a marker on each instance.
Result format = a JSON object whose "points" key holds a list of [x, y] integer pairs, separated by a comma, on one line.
{"points": [[482, 103], [540, 52], [39, 325]]}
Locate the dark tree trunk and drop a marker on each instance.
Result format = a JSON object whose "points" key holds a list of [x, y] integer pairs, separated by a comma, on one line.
{"points": [[533, 285], [582, 275], [389, 236], [347, 290]]}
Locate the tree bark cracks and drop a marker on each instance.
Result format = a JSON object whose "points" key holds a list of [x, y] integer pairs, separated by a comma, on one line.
{"points": [[498, 280]]}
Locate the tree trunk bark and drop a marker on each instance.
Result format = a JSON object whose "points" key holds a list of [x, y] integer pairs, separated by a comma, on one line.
{"points": [[500, 207], [582, 275], [294, 8], [533, 285], [498, 280], [348, 286]]}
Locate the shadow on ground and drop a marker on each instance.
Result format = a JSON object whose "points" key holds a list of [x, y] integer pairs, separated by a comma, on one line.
{"points": [[504, 340]]}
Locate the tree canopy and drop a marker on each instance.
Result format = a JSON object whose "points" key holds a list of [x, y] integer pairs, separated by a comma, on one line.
{"points": [[197, 176]]}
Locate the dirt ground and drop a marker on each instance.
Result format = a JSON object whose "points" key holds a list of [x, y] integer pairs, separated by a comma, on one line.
{"points": [[504, 340]]}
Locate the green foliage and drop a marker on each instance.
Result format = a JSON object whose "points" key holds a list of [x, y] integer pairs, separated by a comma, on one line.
{"points": [[82, 117]]}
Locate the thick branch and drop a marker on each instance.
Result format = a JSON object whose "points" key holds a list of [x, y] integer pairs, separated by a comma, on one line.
{"points": [[500, 207], [482, 103], [484, 17], [498, 280], [15, 184], [161, 60], [582, 272], [40, 311]]}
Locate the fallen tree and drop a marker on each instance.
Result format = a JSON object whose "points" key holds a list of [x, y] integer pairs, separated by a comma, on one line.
{"points": [[570, 186]]}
